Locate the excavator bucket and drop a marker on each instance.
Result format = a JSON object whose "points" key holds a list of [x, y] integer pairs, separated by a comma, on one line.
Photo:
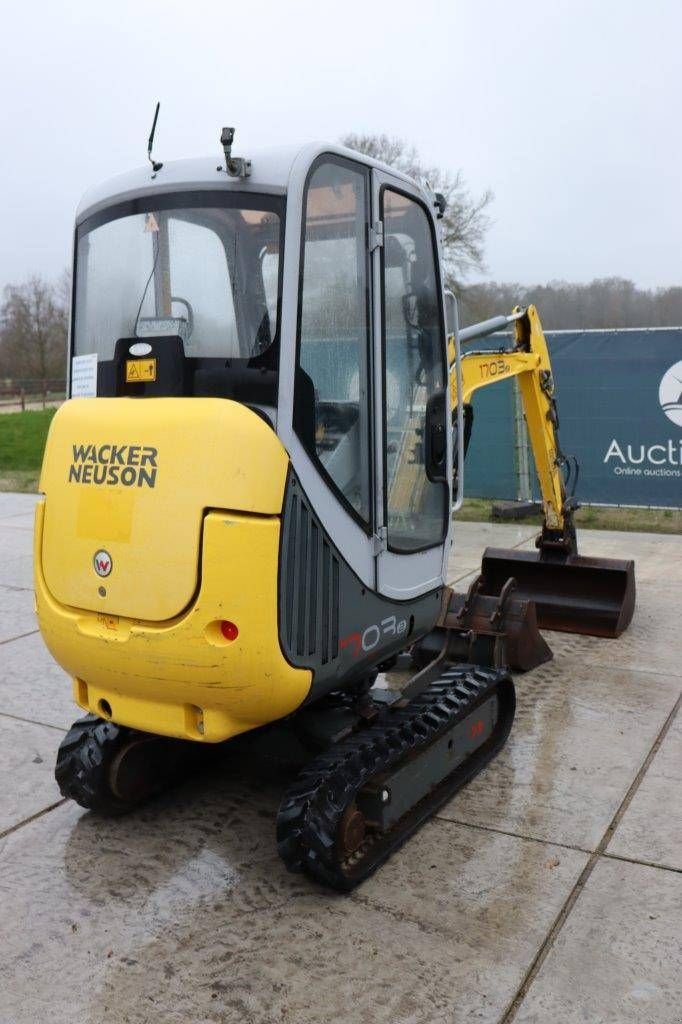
{"points": [[498, 631], [592, 596]]}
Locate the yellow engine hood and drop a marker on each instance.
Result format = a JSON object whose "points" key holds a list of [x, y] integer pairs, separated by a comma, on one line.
{"points": [[127, 483]]}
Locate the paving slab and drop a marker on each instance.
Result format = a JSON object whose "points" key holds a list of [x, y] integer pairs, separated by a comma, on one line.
{"points": [[212, 838], [17, 616], [617, 959], [21, 521], [27, 756], [12, 504], [183, 912], [16, 557], [651, 644], [579, 738], [471, 539], [651, 828], [33, 686], [657, 556], [462, 583], [520, 886]]}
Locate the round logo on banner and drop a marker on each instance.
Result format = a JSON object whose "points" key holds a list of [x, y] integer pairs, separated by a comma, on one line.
{"points": [[670, 393]]}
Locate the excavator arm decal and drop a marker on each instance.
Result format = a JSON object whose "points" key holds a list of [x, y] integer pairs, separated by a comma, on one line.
{"points": [[529, 361]]}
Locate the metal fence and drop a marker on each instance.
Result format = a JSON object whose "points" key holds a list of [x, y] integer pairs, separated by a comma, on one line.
{"points": [[18, 395]]}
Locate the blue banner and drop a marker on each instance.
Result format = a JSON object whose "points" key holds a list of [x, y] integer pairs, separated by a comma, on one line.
{"points": [[619, 397]]}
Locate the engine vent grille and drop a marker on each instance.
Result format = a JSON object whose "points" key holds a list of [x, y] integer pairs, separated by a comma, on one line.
{"points": [[309, 587]]}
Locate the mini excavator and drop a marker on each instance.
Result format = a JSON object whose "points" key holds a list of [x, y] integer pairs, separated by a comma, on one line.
{"points": [[247, 502]]}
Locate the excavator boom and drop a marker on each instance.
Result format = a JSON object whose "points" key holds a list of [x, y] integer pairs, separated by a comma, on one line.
{"points": [[595, 596]]}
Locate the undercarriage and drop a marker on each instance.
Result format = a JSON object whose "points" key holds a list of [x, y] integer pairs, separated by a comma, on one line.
{"points": [[373, 765]]}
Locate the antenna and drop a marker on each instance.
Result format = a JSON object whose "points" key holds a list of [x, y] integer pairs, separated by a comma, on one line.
{"points": [[156, 164]]}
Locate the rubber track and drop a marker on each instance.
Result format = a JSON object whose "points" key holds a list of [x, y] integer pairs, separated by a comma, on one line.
{"points": [[311, 810], [83, 761]]}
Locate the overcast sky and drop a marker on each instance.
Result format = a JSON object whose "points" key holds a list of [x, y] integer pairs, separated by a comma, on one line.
{"points": [[568, 111]]}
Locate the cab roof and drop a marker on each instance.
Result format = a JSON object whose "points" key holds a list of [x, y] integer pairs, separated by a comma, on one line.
{"points": [[271, 172]]}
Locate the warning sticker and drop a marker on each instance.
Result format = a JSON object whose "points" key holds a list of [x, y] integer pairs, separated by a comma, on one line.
{"points": [[140, 371], [84, 376]]}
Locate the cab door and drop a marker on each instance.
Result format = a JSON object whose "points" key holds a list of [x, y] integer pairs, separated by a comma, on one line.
{"points": [[412, 427], [332, 445]]}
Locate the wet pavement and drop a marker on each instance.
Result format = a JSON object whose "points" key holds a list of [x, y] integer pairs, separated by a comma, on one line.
{"points": [[548, 890]]}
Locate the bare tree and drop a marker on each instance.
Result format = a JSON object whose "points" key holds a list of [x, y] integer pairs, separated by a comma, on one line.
{"points": [[465, 222], [33, 326], [608, 302]]}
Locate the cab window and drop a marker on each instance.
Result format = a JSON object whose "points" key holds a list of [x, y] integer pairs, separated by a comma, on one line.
{"points": [[331, 401], [417, 502]]}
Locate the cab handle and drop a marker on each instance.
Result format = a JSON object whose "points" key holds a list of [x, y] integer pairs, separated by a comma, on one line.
{"points": [[436, 439]]}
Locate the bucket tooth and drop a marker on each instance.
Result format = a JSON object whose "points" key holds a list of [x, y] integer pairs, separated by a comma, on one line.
{"points": [[577, 594]]}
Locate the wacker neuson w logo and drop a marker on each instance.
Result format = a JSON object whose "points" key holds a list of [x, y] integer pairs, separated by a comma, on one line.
{"points": [[128, 465]]}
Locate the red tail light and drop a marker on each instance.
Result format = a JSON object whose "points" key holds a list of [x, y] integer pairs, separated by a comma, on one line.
{"points": [[229, 630]]}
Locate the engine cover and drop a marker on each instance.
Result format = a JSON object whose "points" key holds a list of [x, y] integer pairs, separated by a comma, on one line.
{"points": [[127, 484]]}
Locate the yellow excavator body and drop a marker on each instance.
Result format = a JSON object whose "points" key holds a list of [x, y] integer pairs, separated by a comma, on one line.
{"points": [[176, 631]]}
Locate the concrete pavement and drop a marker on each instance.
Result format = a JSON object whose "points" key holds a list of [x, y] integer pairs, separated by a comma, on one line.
{"points": [[549, 890]]}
